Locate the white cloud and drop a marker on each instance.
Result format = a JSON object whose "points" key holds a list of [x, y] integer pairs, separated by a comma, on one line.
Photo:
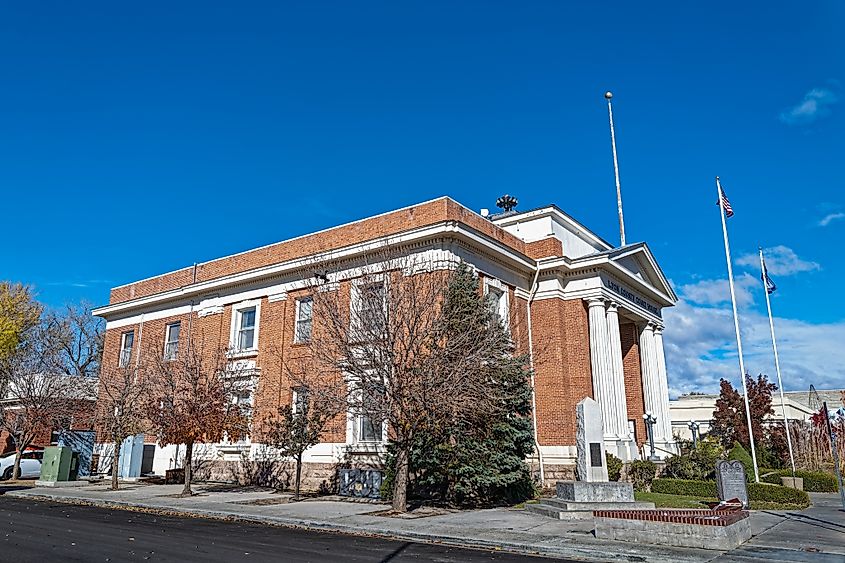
{"points": [[716, 292], [780, 261], [816, 104], [830, 218], [701, 348]]}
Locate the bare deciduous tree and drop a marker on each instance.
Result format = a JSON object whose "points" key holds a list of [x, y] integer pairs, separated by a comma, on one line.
{"points": [[316, 400], [194, 398], [403, 366], [36, 398], [80, 342], [121, 408]]}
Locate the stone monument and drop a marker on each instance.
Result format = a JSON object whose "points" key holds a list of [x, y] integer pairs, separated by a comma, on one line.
{"points": [[592, 490], [731, 482], [591, 465]]}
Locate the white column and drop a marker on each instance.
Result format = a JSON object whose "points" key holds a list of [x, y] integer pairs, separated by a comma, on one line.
{"points": [[651, 379], [664, 422], [601, 365], [620, 402]]}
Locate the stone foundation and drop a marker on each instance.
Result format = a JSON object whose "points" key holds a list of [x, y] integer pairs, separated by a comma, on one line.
{"points": [[275, 474]]}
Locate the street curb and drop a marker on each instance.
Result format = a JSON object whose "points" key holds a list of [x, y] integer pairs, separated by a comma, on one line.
{"points": [[583, 553]]}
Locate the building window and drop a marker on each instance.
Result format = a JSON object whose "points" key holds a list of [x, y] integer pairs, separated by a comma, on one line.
{"points": [[245, 326], [171, 341], [127, 339], [304, 314], [371, 309], [367, 429], [367, 426], [497, 301], [299, 401]]}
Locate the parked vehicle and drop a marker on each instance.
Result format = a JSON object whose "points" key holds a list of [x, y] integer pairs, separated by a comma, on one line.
{"points": [[30, 464]]}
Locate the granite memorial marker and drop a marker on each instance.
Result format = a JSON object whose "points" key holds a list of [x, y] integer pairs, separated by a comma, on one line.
{"points": [[730, 481], [591, 465]]}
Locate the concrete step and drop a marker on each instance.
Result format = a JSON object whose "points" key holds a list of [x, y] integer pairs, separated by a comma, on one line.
{"points": [[568, 510], [576, 505], [558, 514]]}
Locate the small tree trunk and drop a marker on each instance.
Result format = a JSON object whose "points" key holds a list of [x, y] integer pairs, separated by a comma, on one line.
{"points": [[298, 475], [16, 471], [115, 466], [189, 454], [400, 482]]}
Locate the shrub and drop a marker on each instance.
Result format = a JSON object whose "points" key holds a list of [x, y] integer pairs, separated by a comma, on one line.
{"points": [[765, 492], [814, 481], [686, 487], [760, 492], [699, 464], [614, 466], [740, 454], [642, 473]]}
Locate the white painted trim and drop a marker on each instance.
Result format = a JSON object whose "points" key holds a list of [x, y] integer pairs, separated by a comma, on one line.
{"points": [[552, 210], [151, 316], [296, 319], [235, 321]]}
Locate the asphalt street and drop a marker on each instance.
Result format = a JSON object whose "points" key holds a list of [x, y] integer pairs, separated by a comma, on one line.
{"points": [[48, 531]]}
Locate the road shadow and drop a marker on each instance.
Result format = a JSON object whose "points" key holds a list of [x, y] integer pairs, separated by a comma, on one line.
{"points": [[7, 488]]}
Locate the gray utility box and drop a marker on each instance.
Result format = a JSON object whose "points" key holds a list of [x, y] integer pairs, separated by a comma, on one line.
{"points": [[361, 483]]}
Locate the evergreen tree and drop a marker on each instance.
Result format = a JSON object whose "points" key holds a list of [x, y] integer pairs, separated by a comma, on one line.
{"points": [[479, 461]]}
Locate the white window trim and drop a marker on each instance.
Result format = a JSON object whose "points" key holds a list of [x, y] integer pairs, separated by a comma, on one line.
{"points": [[504, 311], [355, 294], [353, 425], [235, 322], [120, 362], [167, 329], [296, 320]]}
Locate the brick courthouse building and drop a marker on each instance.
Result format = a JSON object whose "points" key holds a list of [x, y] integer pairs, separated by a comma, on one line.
{"points": [[590, 314]]}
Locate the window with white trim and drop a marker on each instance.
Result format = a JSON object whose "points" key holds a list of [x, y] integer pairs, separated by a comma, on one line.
{"points": [[367, 427], [497, 302], [127, 340], [303, 323], [299, 401], [171, 340], [370, 309], [246, 326]]}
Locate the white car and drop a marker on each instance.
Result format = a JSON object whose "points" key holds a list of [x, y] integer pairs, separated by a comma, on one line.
{"points": [[30, 465]]}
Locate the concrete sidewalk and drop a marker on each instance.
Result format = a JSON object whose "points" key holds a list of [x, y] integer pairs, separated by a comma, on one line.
{"points": [[501, 528]]}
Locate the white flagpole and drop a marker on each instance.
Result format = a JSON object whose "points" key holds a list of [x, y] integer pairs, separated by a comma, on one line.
{"points": [[736, 327], [777, 360], [608, 96]]}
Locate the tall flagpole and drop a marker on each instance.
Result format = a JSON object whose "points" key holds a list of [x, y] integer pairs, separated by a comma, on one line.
{"points": [[736, 327], [763, 276], [608, 96]]}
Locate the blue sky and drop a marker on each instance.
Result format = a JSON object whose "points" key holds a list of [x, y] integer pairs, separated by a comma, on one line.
{"points": [[139, 139]]}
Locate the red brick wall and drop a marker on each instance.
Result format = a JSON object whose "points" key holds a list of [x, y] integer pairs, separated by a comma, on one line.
{"points": [[629, 335], [544, 248], [562, 366], [443, 209]]}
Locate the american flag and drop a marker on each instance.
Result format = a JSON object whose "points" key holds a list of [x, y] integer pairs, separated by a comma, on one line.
{"points": [[770, 285], [729, 212]]}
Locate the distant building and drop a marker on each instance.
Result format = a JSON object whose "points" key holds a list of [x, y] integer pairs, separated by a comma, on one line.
{"points": [[699, 408], [595, 310], [80, 415]]}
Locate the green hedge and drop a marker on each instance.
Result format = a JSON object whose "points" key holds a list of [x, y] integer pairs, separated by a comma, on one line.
{"points": [[684, 487], [814, 481], [763, 492]]}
